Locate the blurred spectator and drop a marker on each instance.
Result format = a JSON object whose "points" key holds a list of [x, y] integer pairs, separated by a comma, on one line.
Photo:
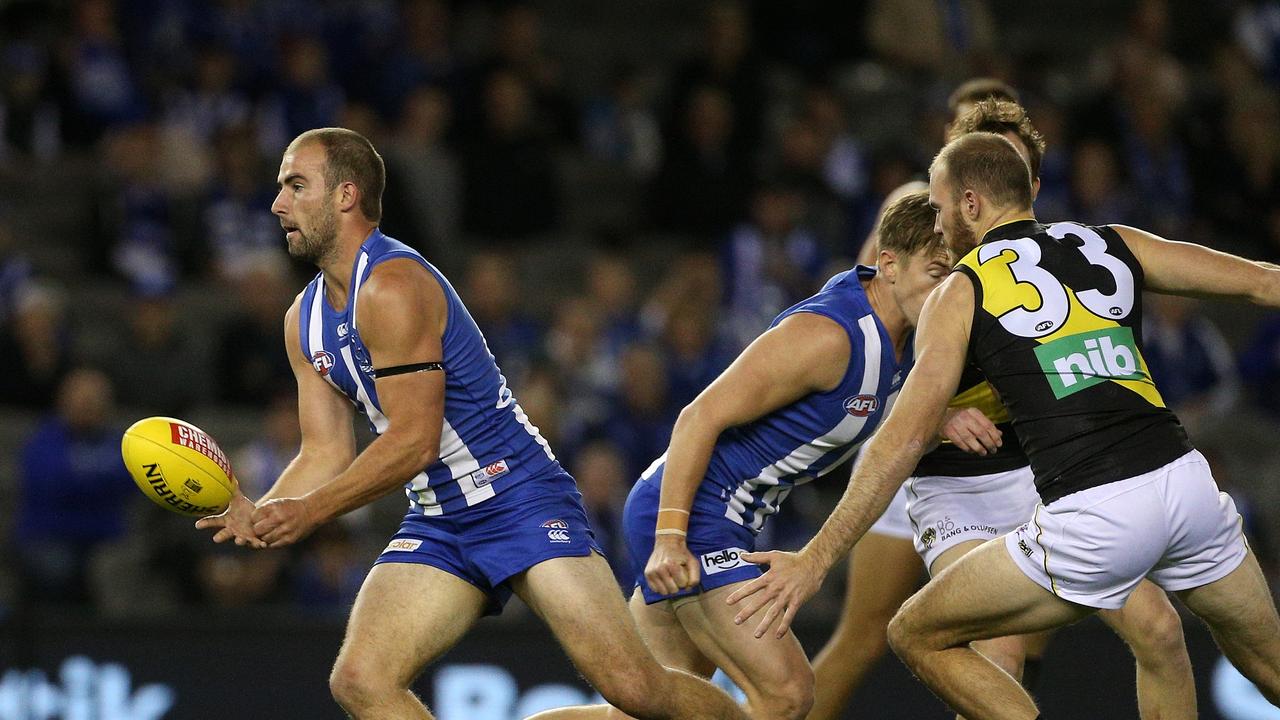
{"points": [[103, 91], [511, 187], [263, 459], [844, 161], [771, 262], [427, 171], [241, 230], [1097, 193], [305, 97], [421, 54], [1257, 29], [611, 287], [518, 48], [73, 492], [1189, 359], [582, 363], [252, 364], [804, 151], [157, 366], [946, 39], [619, 125], [213, 102], [230, 577], [1260, 364], [1157, 159], [38, 340], [329, 570], [494, 296], [703, 184], [30, 121], [725, 61], [639, 416], [543, 401], [600, 469], [134, 211], [695, 355], [15, 271]]}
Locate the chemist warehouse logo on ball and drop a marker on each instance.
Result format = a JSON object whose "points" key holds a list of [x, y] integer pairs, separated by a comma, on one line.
{"points": [[557, 531], [861, 405], [322, 361]]}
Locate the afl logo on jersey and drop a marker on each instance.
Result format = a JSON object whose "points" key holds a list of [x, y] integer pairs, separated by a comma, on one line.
{"points": [[322, 361], [861, 405]]}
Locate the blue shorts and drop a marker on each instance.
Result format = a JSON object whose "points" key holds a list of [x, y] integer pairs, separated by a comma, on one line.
{"points": [[716, 541], [535, 520]]}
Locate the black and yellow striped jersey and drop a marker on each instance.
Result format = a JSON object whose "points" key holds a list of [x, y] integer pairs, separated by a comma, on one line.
{"points": [[1057, 332], [947, 460]]}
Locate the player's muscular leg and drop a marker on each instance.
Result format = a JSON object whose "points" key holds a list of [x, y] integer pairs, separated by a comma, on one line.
{"points": [[405, 616], [1006, 652], [1242, 617], [600, 637], [662, 633], [1153, 630], [883, 572], [983, 595], [773, 672]]}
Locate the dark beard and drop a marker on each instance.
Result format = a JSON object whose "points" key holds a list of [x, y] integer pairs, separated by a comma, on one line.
{"points": [[317, 247], [963, 240]]}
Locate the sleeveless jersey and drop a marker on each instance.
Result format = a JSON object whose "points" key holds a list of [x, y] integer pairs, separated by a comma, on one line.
{"points": [[1057, 330], [487, 443], [755, 466], [947, 460]]}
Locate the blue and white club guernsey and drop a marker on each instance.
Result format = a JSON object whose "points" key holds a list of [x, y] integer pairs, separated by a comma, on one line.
{"points": [[755, 466], [487, 443]]}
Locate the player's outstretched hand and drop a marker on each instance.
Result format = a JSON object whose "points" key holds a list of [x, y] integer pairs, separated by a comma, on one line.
{"points": [[788, 583], [972, 431], [671, 567], [283, 521], [234, 523]]}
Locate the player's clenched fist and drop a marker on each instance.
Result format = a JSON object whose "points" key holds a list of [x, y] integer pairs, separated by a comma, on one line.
{"points": [[671, 567], [283, 521]]}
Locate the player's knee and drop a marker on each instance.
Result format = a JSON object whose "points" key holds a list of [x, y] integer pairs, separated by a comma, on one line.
{"points": [[901, 636], [641, 694], [357, 684], [1156, 636], [791, 697]]}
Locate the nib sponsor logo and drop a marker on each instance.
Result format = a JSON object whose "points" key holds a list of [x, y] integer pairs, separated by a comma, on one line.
{"points": [[1081, 361]]}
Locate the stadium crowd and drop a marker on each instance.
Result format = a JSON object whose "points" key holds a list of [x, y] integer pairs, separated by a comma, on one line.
{"points": [[623, 201]]}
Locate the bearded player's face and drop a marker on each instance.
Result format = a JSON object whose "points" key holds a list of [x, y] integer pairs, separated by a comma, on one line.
{"points": [[304, 206], [951, 223]]}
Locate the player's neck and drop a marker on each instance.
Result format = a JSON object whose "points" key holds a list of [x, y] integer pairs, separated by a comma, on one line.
{"points": [[337, 268], [890, 313], [1005, 217]]}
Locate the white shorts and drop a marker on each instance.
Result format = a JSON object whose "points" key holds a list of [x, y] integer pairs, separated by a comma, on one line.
{"points": [[894, 522], [1171, 525], [946, 511]]}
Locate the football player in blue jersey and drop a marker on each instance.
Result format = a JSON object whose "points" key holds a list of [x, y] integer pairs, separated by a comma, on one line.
{"points": [[380, 331], [793, 406]]}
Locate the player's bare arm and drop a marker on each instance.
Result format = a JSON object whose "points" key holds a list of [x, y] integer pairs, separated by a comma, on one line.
{"points": [[401, 318], [328, 444], [886, 461], [1179, 268], [805, 353]]}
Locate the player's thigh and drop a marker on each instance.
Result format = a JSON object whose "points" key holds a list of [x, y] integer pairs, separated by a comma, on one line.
{"points": [[953, 554], [1239, 610], [579, 599], [666, 638], [981, 595], [757, 665], [405, 616], [883, 572]]}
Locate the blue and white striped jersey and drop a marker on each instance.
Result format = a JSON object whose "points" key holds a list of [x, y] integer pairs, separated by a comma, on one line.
{"points": [[754, 466], [487, 443]]}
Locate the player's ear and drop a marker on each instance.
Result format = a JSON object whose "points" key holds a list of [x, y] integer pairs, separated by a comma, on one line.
{"points": [[1035, 188], [887, 262], [972, 204], [348, 196]]}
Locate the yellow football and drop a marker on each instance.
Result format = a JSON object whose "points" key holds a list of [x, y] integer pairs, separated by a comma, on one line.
{"points": [[178, 466]]}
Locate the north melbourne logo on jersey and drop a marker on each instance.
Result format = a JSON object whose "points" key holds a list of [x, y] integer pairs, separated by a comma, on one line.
{"points": [[721, 560], [322, 361], [861, 405], [1080, 361], [557, 530]]}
